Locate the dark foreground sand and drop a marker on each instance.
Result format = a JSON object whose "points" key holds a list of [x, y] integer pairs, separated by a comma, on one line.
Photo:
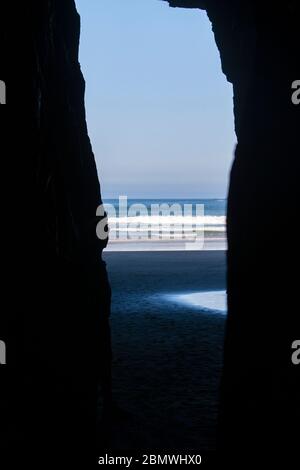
{"points": [[167, 356]]}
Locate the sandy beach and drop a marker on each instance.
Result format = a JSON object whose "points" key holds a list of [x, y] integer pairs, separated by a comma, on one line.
{"points": [[167, 351]]}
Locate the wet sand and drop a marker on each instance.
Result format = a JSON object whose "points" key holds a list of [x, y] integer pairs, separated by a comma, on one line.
{"points": [[167, 354]]}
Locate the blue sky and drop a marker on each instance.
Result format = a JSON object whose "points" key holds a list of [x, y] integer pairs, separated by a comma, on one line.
{"points": [[159, 109]]}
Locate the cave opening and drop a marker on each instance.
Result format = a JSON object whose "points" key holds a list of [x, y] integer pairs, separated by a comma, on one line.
{"points": [[166, 360], [159, 113]]}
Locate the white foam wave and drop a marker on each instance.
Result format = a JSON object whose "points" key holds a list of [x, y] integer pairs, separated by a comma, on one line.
{"points": [[169, 220]]}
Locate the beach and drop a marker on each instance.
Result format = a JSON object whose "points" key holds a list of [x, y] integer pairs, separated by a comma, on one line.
{"points": [[167, 339]]}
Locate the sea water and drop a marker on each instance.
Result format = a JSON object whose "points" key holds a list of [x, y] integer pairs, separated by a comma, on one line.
{"points": [[166, 224]]}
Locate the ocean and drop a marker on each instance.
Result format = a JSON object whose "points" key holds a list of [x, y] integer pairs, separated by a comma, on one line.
{"points": [[166, 224]]}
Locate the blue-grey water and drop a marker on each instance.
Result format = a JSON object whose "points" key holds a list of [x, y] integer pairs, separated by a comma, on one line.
{"points": [[166, 224]]}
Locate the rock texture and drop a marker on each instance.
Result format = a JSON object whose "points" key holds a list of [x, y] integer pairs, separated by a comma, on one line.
{"points": [[57, 294]]}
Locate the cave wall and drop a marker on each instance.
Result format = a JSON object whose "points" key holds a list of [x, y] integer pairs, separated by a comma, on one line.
{"points": [[258, 41], [58, 296], [56, 289]]}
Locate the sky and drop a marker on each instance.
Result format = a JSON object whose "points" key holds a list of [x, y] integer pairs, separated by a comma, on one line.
{"points": [[159, 109]]}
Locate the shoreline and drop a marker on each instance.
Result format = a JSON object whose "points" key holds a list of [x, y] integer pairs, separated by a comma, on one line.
{"points": [[215, 244]]}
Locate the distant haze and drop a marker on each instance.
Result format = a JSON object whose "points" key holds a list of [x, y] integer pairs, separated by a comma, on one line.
{"points": [[159, 109]]}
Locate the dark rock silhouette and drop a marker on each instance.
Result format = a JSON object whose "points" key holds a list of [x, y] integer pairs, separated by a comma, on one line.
{"points": [[57, 333], [58, 295], [259, 401]]}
